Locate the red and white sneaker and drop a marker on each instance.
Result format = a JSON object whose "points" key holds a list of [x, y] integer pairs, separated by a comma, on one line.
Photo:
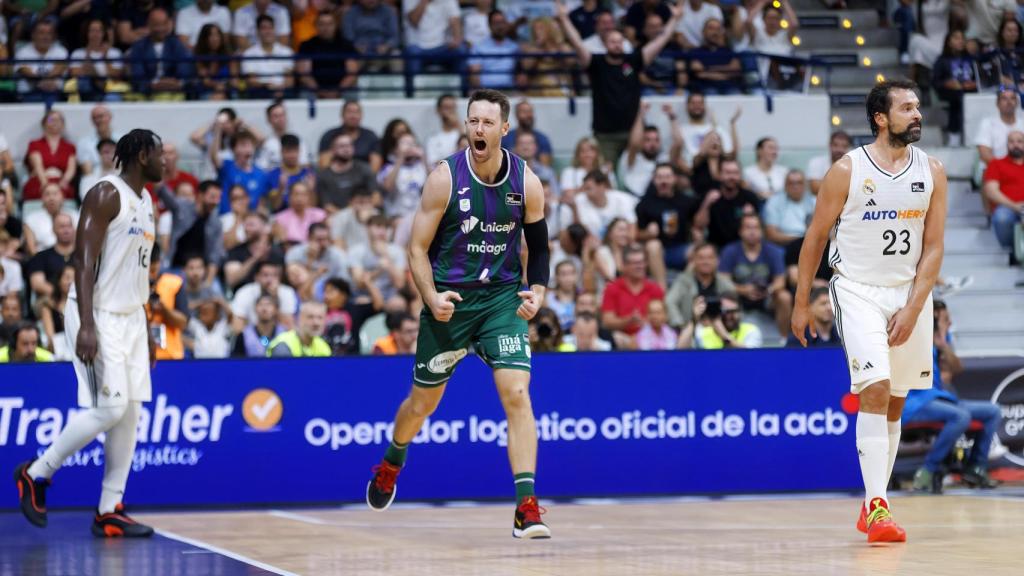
{"points": [[880, 525], [527, 522]]}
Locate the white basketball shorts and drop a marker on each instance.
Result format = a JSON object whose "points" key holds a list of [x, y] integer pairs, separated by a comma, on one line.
{"points": [[862, 317], [120, 371]]}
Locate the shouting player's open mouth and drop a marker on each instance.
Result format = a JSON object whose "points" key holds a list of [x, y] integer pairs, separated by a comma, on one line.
{"points": [[479, 147]]}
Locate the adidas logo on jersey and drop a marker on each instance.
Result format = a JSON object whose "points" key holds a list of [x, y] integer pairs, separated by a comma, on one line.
{"points": [[868, 366], [871, 203]]}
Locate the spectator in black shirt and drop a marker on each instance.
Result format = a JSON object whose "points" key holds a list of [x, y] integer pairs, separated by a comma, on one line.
{"points": [[792, 259], [637, 15], [824, 322], [324, 69], [20, 234], [665, 74], [243, 260], [365, 141], [10, 316], [44, 268], [584, 18], [615, 79], [717, 70], [727, 204], [666, 213]]}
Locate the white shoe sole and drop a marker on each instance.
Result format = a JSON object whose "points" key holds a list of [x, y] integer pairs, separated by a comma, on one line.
{"points": [[535, 531], [386, 506]]}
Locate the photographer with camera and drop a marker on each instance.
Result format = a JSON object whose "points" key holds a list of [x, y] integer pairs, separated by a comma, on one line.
{"points": [[546, 332], [702, 279], [718, 323], [167, 310]]}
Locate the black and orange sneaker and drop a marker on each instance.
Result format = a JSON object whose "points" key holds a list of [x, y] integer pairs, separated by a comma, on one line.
{"points": [[527, 522], [881, 526], [380, 492], [31, 494], [117, 524]]}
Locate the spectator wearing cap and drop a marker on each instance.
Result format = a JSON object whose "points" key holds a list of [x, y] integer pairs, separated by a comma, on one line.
{"points": [[722, 329], [159, 63], [24, 346], [824, 322], [244, 28], [342, 176], [403, 330], [325, 63], [268, 281], [786, 216], [624, 305], [758, 270], [256, 337], [701, 280], [306, 340]]}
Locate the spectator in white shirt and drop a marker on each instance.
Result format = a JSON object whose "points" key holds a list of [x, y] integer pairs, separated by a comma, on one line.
{"points": [[644, 151], [268, 281], [43, 78], [443, 143], [269, 156], [106, 166], [598, 205], [474, 22], [209, 332], [603, 24], [838, 145], [41, 221], [993, 131], [432, 28], [786, 216], [696, 13], [268, 77], [191, 19], [87, 147], [766, 177], [764, 25], [96, 63], [585, 158], [245, 30], [698, 125]]}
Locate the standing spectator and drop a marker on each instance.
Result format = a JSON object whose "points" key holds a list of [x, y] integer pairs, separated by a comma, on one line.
{"points": [[656, 334], [598, 205], [208, 334], [954, 75], [665, 74], [696, 13], [24, 346], [500, 72], [402, 177], [245, 30], [584, 17], [786, 216], [546, 75], [267, 281], [348, 225], [50, 159], [243, 260], [604, 24], [96, 64], [106, 167], [758, 270], [697, 126], [291, 226], [443, 143], [724, 330], [615, 80], [1004, 188], [636, 19], [525, 122], [766, 177], [728, 204], [379, 266], [624, 306], [167, 310], [240, 169], [43, 79], [585, 335], [644, 151], [159, 62], [267, 66], [585, 158], [87, 147], [342, 176], [255, 338], [364, 140], [42, 222], [306, 340], [290, 171], [669, 216], [475, 22], [718, 70], [216, 72], [701, 281], [321, 66], [994, 130], [318, 255], [195, 227], [269, 156], [372, 28], [191, 20], [403, 331], [562, 297], [132, 19], [839, 143], [824, 322], [45, 267], [433, 31], [50, 311]]}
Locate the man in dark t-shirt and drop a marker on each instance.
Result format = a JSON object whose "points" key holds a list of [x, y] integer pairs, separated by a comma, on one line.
{"points": [[323, 69], [364, 140], [666, 213], [615, 79], [728, 205]]}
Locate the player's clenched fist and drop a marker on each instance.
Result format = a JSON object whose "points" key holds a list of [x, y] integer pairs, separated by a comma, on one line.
{"points": [[531, 304], [442, 306]]}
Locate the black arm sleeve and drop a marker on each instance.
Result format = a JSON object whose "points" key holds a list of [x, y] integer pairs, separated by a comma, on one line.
{"points": [[538, 257]]}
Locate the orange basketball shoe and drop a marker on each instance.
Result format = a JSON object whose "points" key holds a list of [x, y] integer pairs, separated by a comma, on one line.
{"points": [[880, 525]]}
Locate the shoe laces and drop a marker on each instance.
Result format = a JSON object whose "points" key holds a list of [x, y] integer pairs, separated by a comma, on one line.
{"points": [[879, 514], [530, 510], [385, 476]]}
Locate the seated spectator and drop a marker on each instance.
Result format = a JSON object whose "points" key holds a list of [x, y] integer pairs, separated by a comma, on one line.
{"points": [[697, 126], [644, 151], [243, 260], [20, 241], [267, 65], [45, 267], [545, 332], [42, 222], [11, 279], [271, 149], [584, 17], [766, 177], [342, 176], [546, 75], [403, 176], [941, 404], [624, 306], [324, 70], [51, 158], [289, 172], [96, 65], [364, 141], [656, 334], [379, 267], [586, 157], [758, 271], [500, 72], [105, 167], [349, 225], [526, 122], [696, 14], [173, 175], [824, 322], [167, 310], [43, 78], [953, 76], [306, 340], [240, 169], [191, 20], [561, 298], [338, 323], [792, 260], [131, 23], [160, 64], [86, 148], [443, 143], [245, 31], [268, 281], [604, 24], [318, 255], [372, 28], [209, 331], [233, 222], [526, 148], [786, 216], [10, 316], [723, 328], [50, 311], [196, 288], [1007, 52], [291, 226], [669, 216], [610, 257], [707, 165], [701, 281], [585, 335], [403, 330], [665, 74], [73, 17], [216, 72], [994, 129], [598, 206], [728, 204], [24, 346], [1004, 188], [636, 17], [255, 338], [475, 26], [8, 176], [717, 70], [433, 34], [839, 143]]}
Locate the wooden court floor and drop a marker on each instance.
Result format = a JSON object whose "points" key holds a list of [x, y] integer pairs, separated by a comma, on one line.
{"points": [[959, 535]]}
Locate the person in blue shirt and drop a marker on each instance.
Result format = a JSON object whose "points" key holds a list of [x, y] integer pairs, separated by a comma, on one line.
{"points": [[525, 123], [240, 170], [289, 172], [940, 404]]}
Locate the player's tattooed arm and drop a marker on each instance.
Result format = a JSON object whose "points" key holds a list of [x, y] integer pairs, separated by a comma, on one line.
{"points": [[101, 205]]}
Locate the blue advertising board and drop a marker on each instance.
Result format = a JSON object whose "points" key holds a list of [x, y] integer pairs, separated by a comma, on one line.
{"points": [[309, 430]]}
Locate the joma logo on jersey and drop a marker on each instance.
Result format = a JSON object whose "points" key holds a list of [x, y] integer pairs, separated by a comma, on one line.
{"points": [[485, 248], [893, 214]]}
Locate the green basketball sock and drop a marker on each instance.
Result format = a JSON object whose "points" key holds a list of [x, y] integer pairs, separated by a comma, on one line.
{"points": [[524, 485], [396, 453]]}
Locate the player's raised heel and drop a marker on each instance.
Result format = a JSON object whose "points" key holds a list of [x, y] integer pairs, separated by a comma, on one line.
{"points": [[117, 524], [31, 495], [527, 522], [380, 491], [881, 526], [862, 520]]}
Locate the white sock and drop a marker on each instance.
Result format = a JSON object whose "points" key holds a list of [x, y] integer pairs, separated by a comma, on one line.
{"points": [[82, 428], [873, 449], [895, 428], [118, 451]]}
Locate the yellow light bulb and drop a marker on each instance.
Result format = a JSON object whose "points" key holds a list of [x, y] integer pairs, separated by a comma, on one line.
{"points": [[777, 4], [879, 78], [866, 61], [815, 80], [860, 40], [796, 40], [836, 121], [784, 24], [847, 24]]}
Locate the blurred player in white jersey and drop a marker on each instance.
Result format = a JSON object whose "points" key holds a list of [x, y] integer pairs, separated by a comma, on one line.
{"points": [[886, 205]]}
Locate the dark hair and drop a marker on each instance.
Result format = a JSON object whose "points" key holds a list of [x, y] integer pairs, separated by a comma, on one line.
{"points": [[203, 45], [242, 134], [106, 28], [818, 293], [388, 140], [522, 133], [730, 296], [668, 165], [493, 96], [1002, 25], [192, 256], [264, 18], [207, 184], [290, 141], [597, 177], [274, 104], [839, 134], [20, 327], [633, 249], [879, 100], [377, 220], [264, 263], [651, 128], [938, 305], [947, 51], [586, 315], [442, 98], [565, 262], [339, 284], [693, 94], [701, 246], [317, 226], [132, 144], [763, 141], [362, 191], [154, 254], [753, 215], [105, 142], [393, 320]]}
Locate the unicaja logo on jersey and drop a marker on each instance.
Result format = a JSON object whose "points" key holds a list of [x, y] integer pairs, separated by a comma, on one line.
{"points": [[468, 225]]}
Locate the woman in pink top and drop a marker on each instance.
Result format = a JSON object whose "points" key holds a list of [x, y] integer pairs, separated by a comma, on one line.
{"points": [[291, 226], [656, 334]]}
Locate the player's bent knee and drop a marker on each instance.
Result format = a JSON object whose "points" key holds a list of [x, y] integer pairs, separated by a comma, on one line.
{"points": [[874, 397], [423, 401]]}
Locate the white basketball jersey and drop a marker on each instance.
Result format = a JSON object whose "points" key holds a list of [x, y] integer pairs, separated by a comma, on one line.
{"points": [[879, 235], [122, 280]]}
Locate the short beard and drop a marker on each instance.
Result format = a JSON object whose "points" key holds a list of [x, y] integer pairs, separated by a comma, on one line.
{"points": [[901, 139], [1017, 153]]}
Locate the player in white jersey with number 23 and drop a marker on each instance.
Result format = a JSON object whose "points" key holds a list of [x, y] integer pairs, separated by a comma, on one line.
{"points": [[885, 206]]}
